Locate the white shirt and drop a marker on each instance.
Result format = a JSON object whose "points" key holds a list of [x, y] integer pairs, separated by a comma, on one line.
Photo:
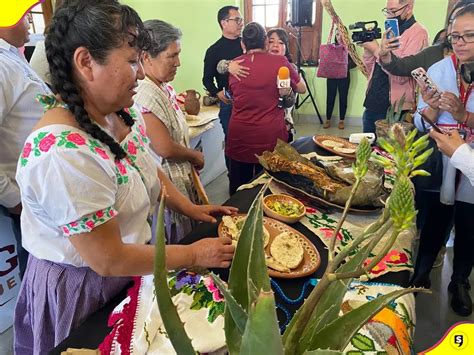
{"points": [[19, 112], [71, 183], [443, 74], [463, 159]]}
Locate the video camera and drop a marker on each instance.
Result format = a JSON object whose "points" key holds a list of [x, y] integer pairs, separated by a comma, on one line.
{"points": [[467, 72], [367, 33]]}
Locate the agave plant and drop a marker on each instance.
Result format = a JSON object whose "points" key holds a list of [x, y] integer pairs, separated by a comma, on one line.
{"points": [[251, 325], [395, 112]]}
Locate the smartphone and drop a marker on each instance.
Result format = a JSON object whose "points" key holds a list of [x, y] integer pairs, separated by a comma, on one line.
{"points": [[392, 23], [433, 125], [424, 81]]}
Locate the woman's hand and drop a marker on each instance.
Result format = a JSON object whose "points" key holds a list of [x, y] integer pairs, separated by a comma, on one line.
{"points": [[452, 104], [387, 45], [237, 70], [431, 98], [197, 160], [206, 213], [213, 252], [447, 143]]}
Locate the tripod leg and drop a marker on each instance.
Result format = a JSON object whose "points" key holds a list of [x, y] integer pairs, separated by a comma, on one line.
{"points": [[310, 95]]}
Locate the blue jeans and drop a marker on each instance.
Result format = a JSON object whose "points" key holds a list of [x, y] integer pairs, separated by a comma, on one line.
{"points": [[224, 116], [368, 120]]}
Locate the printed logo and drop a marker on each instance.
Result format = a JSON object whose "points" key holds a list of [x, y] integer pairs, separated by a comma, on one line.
{"points": [[459, 340], [12, 11]]}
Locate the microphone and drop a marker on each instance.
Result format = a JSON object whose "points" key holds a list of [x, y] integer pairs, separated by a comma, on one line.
{"points": [[283, 85], [283, 81]]}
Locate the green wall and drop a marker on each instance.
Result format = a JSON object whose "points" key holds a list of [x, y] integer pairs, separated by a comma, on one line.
{"points": [[197, 20]]}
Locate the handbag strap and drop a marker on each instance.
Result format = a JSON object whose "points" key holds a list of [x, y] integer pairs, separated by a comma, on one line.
{"points": [[331, 32]]}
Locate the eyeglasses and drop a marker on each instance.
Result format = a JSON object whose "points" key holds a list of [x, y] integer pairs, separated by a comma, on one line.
{"points": [[388, 12], [238, 20], [467, 38]]}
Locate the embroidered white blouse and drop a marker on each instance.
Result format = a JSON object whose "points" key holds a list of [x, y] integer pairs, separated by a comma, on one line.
{"points": [[71, 183], [19, 112], [443, 73]]}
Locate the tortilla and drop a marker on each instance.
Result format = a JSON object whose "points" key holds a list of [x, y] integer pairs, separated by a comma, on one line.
{"points": [[287, 250]]}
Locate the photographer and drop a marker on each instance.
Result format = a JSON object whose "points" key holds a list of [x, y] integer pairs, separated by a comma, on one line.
{"points": [[428, 56], [385, 89]]}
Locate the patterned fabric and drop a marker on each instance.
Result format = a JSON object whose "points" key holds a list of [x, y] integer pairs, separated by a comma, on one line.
{"points": [[391, 330], [55, 299], [71, 183], [89, 222], [161, 101], [138, 327], [322, 225]]}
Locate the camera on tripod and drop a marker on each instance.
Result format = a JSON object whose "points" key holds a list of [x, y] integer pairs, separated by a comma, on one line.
{"points": [[366, 32]]}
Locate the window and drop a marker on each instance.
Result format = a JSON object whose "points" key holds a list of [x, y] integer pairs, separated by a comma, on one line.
{"points": [[277, 13], [39, 17]]}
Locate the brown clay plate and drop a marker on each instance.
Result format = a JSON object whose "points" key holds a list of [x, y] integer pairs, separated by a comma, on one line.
{"points": [[311, 258], [319, 139]]}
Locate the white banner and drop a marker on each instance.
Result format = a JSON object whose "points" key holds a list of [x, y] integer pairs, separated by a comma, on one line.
{"points": [[9, 272]]}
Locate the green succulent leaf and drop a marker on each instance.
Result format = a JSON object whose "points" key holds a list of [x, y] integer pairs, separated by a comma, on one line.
{"points": [[171, 321], [248, 273], [262, 334]]}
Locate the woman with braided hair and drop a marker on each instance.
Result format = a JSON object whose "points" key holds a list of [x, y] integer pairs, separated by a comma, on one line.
{"points": [[88, 182]]}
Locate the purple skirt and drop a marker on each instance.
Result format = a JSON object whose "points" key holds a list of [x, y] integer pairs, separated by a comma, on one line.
{"points": [[55, 299]]}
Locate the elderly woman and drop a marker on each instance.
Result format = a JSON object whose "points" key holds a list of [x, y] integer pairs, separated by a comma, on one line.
{"points": [[257, 121], [452, 109], [166, 125], [88, 183]]}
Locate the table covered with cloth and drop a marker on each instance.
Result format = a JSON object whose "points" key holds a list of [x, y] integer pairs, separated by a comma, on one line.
{"points": [[390, 331]]}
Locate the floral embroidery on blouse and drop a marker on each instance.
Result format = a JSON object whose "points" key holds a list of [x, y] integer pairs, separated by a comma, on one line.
{"points": [[89, 222], [44, 140], [49, 102]]}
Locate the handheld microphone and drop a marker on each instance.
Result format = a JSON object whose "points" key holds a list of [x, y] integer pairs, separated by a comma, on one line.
{"points": [[283, 84], [283, 81]]}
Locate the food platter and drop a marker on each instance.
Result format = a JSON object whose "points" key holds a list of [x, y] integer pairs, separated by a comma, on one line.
{"points": [[336, 145], [311, 258], [301, 194]]}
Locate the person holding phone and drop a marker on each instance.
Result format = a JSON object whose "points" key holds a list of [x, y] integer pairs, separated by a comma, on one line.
{"points": [[385, 89], [452, 110]]}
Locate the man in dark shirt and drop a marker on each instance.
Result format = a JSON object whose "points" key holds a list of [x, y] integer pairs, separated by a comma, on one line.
{"points": [[227, 47]]}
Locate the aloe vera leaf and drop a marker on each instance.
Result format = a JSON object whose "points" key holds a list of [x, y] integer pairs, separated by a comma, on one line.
{"points": [[339, 333], [169, 314], [262, 335], [236, 311], [248, 271]]}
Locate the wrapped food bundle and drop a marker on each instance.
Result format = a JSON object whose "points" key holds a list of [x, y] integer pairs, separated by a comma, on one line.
{"points": [[332, 183]]}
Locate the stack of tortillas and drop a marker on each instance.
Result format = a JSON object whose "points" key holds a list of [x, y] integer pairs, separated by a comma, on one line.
{"points": [[234, 227], [286, 253], [337, 146]]}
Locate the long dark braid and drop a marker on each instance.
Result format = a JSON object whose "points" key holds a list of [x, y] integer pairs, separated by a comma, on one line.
{"points": [[98, 26]]}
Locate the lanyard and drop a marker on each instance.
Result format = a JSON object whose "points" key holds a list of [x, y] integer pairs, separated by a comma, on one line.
{"points": [[464, 93]]}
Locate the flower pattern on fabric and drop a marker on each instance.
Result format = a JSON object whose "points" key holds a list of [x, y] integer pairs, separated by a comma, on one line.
{"points": [[89, 222], [323, 225], [205, 293], [49, 102], [44, 141]]}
